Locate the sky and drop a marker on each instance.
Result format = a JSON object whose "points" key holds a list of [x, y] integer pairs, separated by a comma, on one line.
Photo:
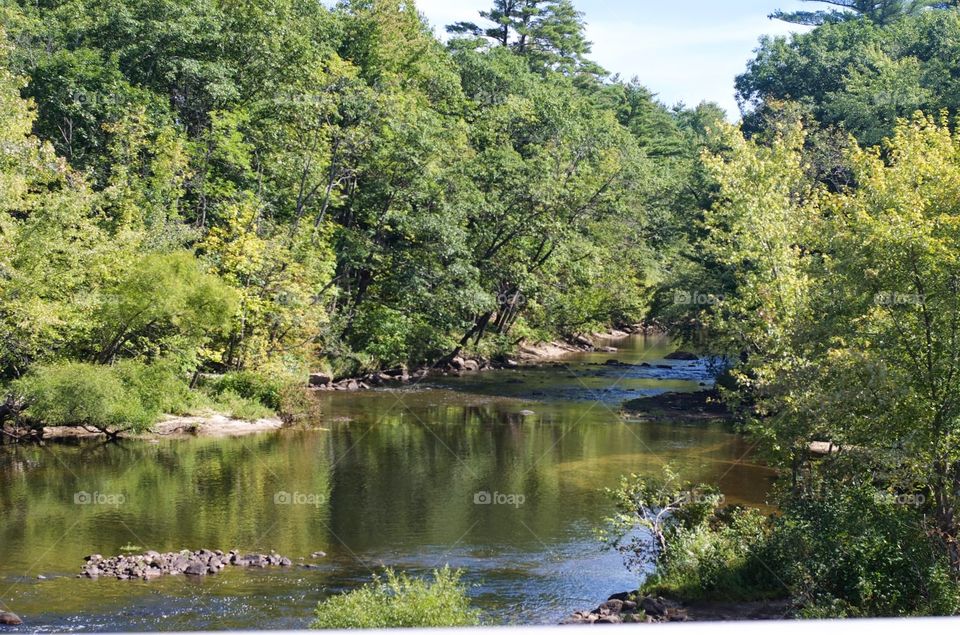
{"points": [[688, 51]]}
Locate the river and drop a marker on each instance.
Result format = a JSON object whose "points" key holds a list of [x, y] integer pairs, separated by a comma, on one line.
{"points": [[497, 473]]}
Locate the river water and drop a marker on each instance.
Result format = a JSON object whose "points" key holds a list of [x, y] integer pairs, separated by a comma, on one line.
{"points": [[498, 474]]}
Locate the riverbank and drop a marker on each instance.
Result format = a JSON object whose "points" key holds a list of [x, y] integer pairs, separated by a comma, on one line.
{"points": [[525, 354], [212, 425], [218, 424], [634, 607]]}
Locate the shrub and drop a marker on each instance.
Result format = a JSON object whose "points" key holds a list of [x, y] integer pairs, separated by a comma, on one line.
{"points": [[847, 550], [161, 386], [88, 395], [239, 407], [397, 600], [851, 551], [263, 389], [694, 547]]}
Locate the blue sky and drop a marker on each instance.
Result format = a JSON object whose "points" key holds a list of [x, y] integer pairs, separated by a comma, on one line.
{"points": [[689, 50]]}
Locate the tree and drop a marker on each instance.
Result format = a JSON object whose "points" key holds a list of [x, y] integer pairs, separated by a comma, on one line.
{"points": [[878, 11], [550, 34], [856, 76]]}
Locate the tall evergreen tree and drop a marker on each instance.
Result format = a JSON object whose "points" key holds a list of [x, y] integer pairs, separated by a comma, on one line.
{"points": [[551, 34], [878, 11]]}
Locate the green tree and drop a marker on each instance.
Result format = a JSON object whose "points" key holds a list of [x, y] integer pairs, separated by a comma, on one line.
{"points": [[878, 11], [550, 34]]}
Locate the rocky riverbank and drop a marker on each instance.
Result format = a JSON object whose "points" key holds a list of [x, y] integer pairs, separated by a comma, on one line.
{"points": [[527, 354], [627, 608]]}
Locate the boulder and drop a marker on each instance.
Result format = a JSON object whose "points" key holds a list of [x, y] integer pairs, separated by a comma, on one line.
{"points": [[682, 356], [320, 379], [10, 619], [471, 365], [653, 606], [583, 342], [614, 606], [196, 568], [457, 363]]}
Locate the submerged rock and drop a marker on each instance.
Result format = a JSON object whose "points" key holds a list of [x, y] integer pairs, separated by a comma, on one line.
{"points": [[682, 356], [10, 619]]}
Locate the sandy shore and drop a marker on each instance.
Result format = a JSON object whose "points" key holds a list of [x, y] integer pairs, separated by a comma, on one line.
{"points": [[205, 425]]}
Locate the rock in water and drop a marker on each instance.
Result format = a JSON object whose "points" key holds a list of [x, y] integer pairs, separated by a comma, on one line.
{"points": [[196, 568], [320, 379], [10, 619]]}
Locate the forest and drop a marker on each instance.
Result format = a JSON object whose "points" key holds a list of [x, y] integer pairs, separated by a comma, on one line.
{"points": [[203, 201]]}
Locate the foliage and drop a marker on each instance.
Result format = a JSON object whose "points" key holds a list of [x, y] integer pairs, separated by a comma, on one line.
{"points": [[265, 390], [130, 397], [857, 75], [846, 550], [354, 197], [665, 507], [851, 551], [398, 601]]}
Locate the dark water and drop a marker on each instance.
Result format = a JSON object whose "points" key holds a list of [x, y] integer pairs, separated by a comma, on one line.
{"points": [[391, 479]]}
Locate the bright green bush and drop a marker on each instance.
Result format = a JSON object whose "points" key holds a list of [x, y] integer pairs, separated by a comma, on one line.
{"points": [[78, 394], [240, 407], [847, 550], [696, 547], [161, 387], [397, 600], [853, 551], [260, 388]]}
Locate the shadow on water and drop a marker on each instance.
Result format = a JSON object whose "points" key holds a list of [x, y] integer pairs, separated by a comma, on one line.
{"points": [[498, 473]]}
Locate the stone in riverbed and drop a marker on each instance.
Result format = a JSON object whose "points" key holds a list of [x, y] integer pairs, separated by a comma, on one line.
{"points": [[682, 356], [10, 619], [320, 379], [196, 568], [653, 606]]}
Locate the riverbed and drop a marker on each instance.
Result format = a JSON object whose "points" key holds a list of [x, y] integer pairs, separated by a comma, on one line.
{"points": [[497, 473]]}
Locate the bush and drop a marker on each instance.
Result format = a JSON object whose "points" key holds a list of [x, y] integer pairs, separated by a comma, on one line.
{"points": [[160, 386], [239, 407], [851, 551], [88, 395], [400, 601], [695, 548], [263, 389]]}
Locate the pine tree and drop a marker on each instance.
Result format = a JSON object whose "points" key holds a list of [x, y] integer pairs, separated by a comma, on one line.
{"points": [[878, 11], [551, 34]]}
